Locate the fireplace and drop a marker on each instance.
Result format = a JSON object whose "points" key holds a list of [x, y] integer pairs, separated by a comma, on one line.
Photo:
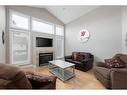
{"points": [[44, 58]]}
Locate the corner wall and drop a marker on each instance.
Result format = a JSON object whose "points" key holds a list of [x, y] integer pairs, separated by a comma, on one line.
{"points": [[105, 27]]}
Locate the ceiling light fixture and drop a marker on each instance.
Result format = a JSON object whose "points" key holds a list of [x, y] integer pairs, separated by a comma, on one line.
{"points": [[64, 8]]}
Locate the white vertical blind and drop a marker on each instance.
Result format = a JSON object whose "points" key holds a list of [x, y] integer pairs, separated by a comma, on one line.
{"points": [[20, 50]]}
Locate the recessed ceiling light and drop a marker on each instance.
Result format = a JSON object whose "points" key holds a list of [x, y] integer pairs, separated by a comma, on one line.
{"points": [[64, 8]]}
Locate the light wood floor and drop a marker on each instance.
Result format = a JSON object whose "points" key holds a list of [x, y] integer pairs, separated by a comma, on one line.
{"points": [[82, 80]]}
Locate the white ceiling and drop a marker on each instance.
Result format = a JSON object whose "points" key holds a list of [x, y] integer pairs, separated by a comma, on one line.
{"points": [[69, 13]]}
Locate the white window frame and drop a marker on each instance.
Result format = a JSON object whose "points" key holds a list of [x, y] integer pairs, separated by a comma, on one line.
{"points": [[20, 14], [43, 21]]}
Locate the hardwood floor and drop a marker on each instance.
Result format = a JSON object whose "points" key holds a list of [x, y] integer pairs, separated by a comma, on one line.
{"points": [[82, 80]]}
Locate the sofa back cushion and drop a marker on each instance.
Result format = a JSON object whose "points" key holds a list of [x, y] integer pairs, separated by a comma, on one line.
{"points": [[87, 55], [79, 56], [7, 71], [123, 57], [114, 63], [15, 76]]}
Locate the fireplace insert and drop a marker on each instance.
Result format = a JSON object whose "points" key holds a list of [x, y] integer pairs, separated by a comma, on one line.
{"points": [[44, 58]]}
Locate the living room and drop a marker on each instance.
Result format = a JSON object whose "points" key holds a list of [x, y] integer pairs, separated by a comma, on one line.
{"points": [[84, 49]]}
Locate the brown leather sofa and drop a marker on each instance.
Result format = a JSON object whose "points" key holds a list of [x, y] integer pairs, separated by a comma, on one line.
{"points": [[114, 78], [12, 77], [85, 64]]}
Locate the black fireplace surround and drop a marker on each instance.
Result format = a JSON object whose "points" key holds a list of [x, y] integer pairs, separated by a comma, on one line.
{"points": [[44, 58]]}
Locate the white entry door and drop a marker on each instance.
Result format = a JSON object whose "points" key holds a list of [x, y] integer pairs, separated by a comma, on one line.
{"points": [[2, 35]]}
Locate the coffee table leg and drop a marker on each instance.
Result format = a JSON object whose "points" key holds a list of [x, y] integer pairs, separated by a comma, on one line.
{"points": [[49, 66], [63, 73], [74, 70]]}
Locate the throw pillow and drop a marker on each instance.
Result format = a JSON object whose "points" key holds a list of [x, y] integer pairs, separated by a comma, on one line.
{"points": [[75, 56], [81, 57], [114, 63]]}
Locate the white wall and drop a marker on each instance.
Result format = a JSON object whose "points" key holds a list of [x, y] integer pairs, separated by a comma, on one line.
{"points": [[105, 27], [2, 29], [124, 33]]}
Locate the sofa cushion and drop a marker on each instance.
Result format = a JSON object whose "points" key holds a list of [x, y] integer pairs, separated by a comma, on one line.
{"points": [[81, 57], [106, 82], [72, 61], [13, 77], [123, 58], [105, 72], [87, 55], [114, 63], [77, 62]]}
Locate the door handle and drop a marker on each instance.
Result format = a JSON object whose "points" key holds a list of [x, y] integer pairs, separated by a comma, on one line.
{"points": [[3, 37]]}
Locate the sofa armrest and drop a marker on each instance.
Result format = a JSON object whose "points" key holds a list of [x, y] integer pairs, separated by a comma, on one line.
{"points": [[100, 64], [68, 57], [119, 78], [42, 81], [4, 83]]}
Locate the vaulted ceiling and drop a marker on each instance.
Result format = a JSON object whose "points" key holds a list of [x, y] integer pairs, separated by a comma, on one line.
{"points": [[68, 13]]}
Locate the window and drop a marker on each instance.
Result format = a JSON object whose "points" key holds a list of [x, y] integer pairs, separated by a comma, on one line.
{"points": [[20, 28], [20, 47], [43, 27], [59, 47], [60, 30], [19, 21], [59, 39], [19, 38]]}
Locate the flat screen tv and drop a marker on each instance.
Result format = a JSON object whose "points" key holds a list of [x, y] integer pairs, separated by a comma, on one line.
{"points": [[44, 42]]}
